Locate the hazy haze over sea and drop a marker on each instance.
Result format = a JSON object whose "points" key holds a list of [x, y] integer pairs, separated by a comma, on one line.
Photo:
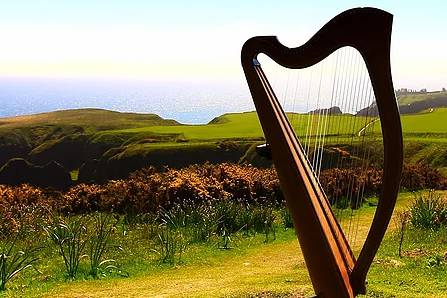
{"points": [[187, 102]]}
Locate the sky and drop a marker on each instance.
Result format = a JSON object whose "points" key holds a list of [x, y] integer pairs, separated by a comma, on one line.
{"points": [[197, 40]]}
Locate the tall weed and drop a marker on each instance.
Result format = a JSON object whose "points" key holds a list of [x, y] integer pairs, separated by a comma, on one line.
{"points": [[99, 242], [14, 260], [70, 236]]}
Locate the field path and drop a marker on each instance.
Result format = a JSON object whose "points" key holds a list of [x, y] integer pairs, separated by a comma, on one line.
{"points": [[274, 267]]}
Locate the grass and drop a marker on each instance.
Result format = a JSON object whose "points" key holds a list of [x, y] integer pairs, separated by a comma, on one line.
{"points": [[90, 134], [251, 266], [425, 126], [246, 125], [427, 122], [88, 119], [117, 128]]}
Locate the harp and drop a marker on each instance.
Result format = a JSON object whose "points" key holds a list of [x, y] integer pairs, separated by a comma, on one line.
{"points": [[297, 153]]}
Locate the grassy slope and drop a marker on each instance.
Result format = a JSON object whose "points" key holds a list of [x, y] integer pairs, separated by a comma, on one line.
{"points": [[229, 126], [253, 267], [413, 98], [70, 134], [89, 119], [426, 126], [47, 135]]}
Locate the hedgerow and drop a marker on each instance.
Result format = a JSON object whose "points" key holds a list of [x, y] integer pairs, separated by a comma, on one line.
{"points": [[147, 191]]}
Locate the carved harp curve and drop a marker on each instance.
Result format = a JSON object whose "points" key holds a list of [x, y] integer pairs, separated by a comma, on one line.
{"points": [[333, 269]]}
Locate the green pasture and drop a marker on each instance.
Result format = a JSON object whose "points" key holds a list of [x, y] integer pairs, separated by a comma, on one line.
{"points": [[246, 125], [433, 122], [427, 126]]}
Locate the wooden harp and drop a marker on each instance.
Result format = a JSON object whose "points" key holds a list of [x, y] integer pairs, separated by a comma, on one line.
{"points": [[333, 268]]}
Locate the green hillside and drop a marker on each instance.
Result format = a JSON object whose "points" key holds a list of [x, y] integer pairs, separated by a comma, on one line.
{"points": [[123, 142], [418, 102], [89, 119], [418, 97]]}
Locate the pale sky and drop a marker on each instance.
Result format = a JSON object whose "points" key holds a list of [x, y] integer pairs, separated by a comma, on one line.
{"points": [[196, 40]]}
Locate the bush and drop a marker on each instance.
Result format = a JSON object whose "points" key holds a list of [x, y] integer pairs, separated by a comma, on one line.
{"points": [[287, 219], [422, 176], [148, 191], [24, 206], [428, 211]]}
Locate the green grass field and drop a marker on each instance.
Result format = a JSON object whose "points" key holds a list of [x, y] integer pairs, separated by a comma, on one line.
{"points": [[252, 268], [426, 123], [246, 125]]}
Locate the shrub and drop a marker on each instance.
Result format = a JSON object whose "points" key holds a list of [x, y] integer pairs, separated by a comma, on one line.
{"points": [[344, 186], [24, 206], [422, 176], [428, 211], [82, 198], [148, 191]]}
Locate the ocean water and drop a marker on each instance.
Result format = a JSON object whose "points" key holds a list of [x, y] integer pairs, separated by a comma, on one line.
{"points": [[187, 102]]}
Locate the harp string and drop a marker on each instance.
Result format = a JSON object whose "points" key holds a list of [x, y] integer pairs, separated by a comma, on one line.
{"points": [[308, 127], [362, 149], [351, 126], [330, 139], [328, 117], [347, 63], [338, 99], [366, 151], [317, 115], [295, 95], [347, 99]]}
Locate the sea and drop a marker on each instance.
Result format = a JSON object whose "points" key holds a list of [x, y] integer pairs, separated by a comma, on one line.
{"points": [[189, 102]]}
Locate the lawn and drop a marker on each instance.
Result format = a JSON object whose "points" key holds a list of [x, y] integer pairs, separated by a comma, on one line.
{"points": [[246, 125]]}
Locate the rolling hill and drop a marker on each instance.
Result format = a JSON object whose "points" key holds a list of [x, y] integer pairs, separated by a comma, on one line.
{"points": [[104, 144]]}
